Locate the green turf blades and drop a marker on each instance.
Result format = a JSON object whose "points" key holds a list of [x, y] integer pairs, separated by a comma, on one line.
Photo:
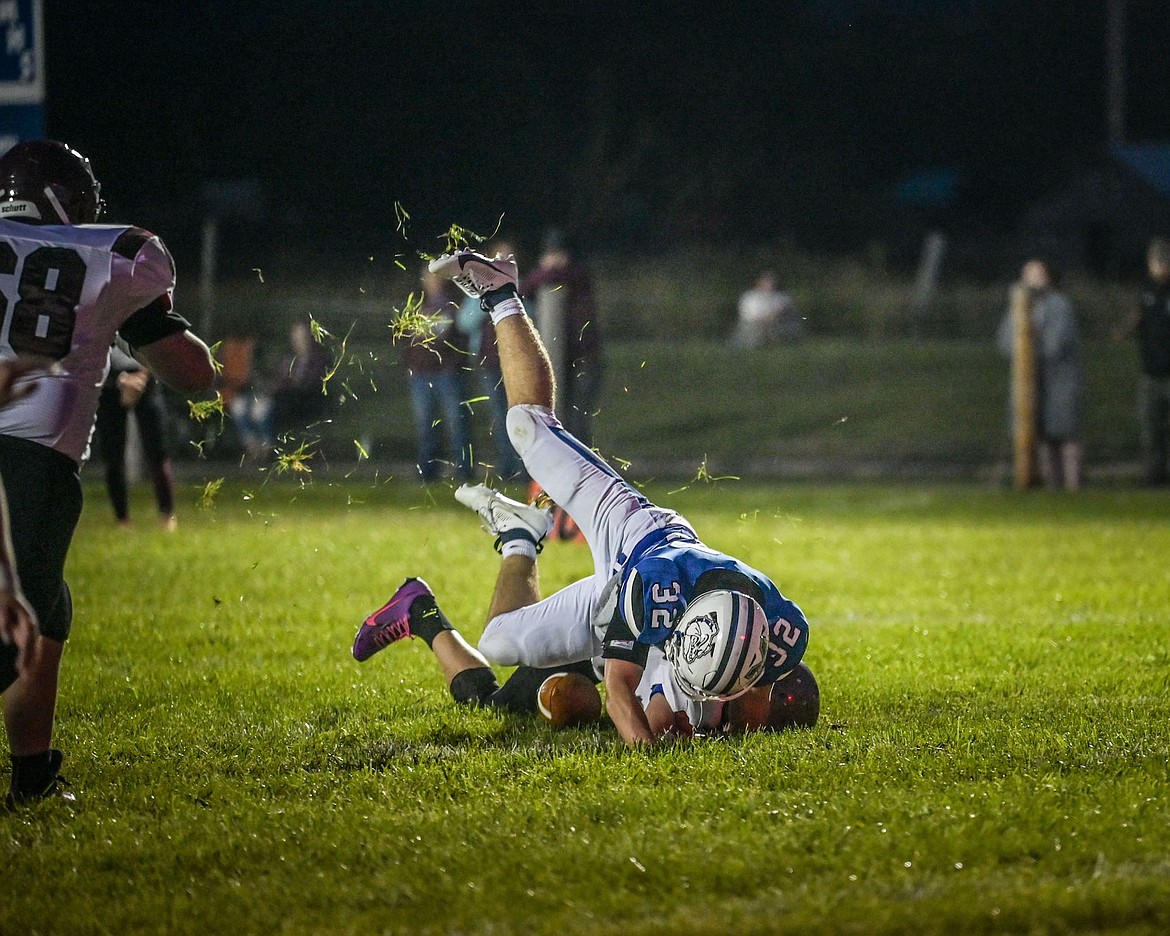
{"points": [[991, 756]]}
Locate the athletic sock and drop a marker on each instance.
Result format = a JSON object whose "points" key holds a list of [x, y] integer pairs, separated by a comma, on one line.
{"points": [[427, 620], [519, 546], [502, 302]]}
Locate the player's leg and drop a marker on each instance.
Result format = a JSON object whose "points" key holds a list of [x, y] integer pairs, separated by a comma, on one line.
{"points": [[111, 442], [150, 414], [413, 611], [517, 585], [609, 512], [555, 631], [44, 506], [521, 691], [524, 361], [30, 703]]}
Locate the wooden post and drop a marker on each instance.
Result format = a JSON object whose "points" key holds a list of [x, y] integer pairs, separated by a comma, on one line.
{"points": [[1023, 388]]}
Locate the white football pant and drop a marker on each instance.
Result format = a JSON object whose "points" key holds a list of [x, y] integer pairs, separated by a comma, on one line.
{"points": [[613, 518]]}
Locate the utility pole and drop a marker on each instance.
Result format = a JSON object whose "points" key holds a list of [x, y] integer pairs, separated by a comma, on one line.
{"points": [[1115, 57]]}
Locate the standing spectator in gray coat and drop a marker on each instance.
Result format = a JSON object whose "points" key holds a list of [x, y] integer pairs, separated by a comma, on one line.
{"points": [[1059, 377]]}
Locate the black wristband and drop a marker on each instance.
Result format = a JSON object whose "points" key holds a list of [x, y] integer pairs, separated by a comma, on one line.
{"points": [[490, 300]]}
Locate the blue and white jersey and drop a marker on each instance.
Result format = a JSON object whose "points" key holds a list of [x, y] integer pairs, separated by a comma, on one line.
{"points": [[666, 571]]}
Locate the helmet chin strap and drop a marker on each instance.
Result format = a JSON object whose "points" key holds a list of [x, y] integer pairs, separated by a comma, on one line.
{"points": [[52, 199]]}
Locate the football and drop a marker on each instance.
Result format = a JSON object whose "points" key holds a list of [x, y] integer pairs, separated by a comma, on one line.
{"points": [[567, 700]]}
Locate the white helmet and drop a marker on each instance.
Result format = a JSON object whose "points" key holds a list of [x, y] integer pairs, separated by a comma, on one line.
{"points": [[718, 648]]}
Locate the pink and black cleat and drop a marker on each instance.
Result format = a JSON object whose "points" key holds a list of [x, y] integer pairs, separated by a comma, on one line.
{"points": [[391, 622]]}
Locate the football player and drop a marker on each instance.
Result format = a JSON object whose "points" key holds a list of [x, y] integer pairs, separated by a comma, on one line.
{"points": [[70, 288], [722, 625], [792, 702]]}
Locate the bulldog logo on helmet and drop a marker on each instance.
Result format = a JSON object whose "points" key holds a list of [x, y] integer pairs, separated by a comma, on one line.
{"points": [[696, 638]]}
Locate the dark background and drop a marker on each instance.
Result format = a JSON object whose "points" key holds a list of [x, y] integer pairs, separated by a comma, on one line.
{"points": [[786, 120]]}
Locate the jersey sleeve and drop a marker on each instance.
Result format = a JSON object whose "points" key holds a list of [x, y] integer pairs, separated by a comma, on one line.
{"points": [[652, 599], [149, 281], [619, 643]]}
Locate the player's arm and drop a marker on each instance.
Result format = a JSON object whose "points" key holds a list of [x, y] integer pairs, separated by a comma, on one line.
{"points": [[664, 721], [158, 336], [180, 360], [621, 701]]}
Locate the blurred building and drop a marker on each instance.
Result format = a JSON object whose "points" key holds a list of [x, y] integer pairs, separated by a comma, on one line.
{"points": [[1105, 213]]}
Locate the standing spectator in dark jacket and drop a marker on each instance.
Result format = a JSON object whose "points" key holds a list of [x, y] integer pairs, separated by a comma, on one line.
{"points": [[436, 364], [130, 388], [1150, 325], [566, 315]]}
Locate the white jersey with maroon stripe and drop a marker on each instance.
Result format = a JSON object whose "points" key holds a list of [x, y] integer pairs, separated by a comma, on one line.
{"points": [[67, 291]]}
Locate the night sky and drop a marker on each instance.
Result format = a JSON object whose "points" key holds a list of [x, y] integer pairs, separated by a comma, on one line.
{"points": [[778, 119]]}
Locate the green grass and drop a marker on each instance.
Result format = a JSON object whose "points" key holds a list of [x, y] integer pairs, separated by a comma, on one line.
{"points": [[992, 755], [822, 405]]}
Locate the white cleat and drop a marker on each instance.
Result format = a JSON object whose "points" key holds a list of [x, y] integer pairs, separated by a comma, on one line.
{"points": [[504, 517], [474, 273]]}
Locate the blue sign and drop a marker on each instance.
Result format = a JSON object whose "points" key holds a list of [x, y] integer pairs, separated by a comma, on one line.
{"points": [[22, 72]]}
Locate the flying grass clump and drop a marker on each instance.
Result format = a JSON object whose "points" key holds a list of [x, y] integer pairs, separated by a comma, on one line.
{"points": [[458, 237], [702, 473], [296, 461], [203, 410], [411, 323], [216, 363], [320, 333], [209, 494]]}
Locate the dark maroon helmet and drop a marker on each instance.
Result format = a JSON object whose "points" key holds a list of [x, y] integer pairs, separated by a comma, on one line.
{"points": [[50, 182], [795, 701]]}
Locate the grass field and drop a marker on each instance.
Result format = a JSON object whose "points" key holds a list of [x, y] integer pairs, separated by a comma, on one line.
{"points": [[992, 755], [822, 405]]}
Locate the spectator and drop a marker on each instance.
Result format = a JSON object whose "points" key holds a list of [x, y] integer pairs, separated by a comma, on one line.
{"points": [[291, 398], [298, 395], [436, 369], [131, 388], [1150, 325], [766, 315], [476, 325], [561, 292], [1058, 375]]}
